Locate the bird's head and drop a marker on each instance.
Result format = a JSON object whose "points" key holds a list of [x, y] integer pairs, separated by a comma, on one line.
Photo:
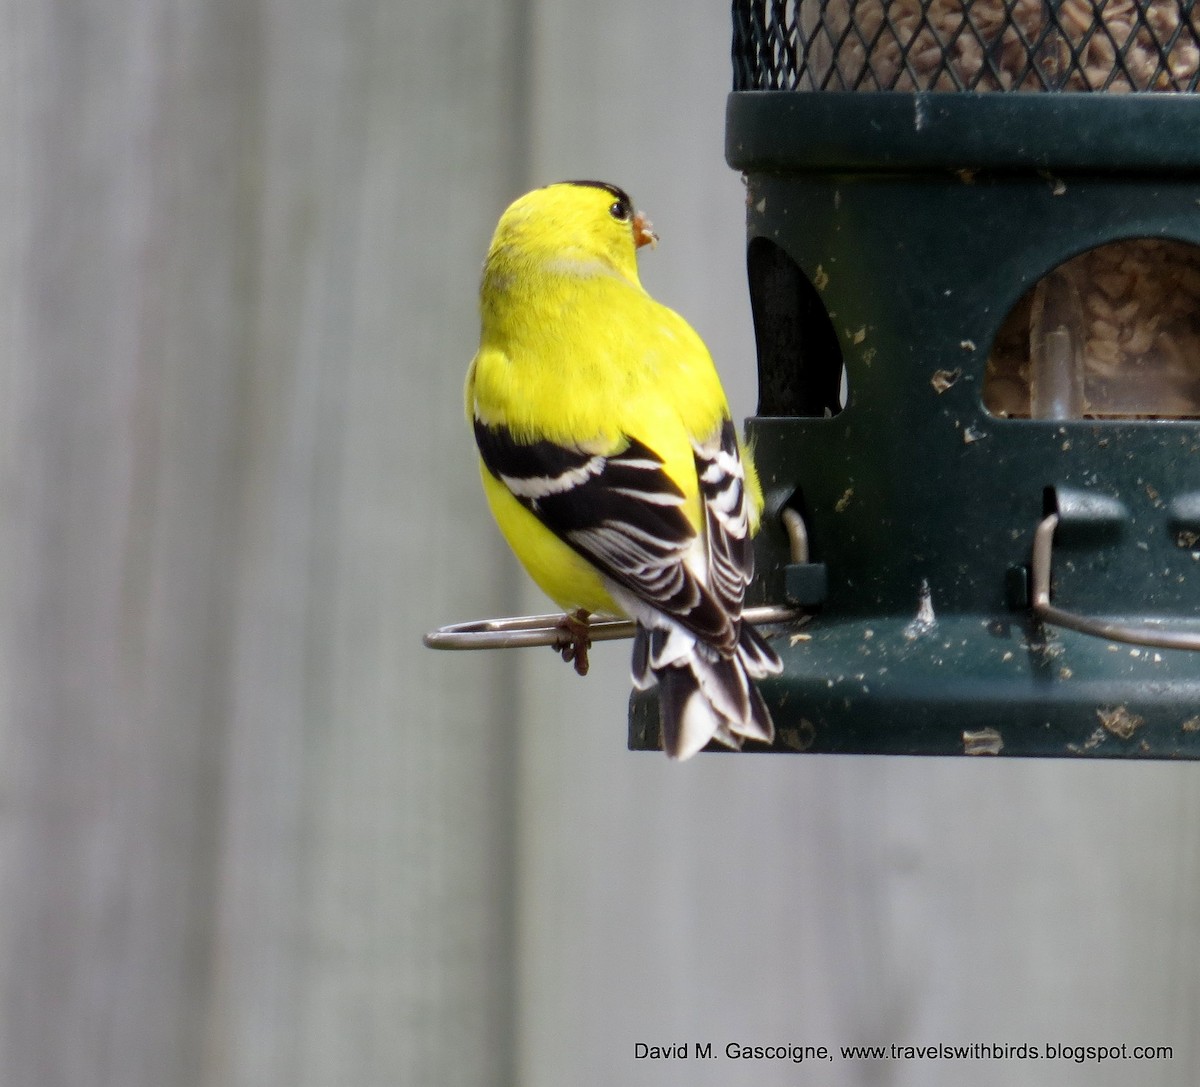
{"points": [[572, 225]]}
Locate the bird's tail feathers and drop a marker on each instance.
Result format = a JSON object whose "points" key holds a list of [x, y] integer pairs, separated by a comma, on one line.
{"points": [[703, 694], [758, 658]]}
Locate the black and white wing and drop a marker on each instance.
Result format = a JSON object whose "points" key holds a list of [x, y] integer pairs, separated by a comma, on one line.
{"points": [[622, 512]]}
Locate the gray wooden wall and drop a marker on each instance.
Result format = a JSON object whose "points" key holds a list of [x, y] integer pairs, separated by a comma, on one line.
{"points": [[251, 833]]}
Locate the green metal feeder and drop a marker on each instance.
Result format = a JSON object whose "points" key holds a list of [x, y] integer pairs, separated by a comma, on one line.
{"points": [[974, 269]]}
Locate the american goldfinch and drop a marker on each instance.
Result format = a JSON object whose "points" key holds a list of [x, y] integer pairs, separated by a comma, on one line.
{"points": [[610, 461]]}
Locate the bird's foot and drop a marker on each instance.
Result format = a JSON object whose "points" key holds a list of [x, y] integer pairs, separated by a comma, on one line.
{"points": [[574, 640]]}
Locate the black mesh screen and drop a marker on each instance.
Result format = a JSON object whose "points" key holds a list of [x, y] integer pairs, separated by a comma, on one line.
{"points": [[966, 45]]}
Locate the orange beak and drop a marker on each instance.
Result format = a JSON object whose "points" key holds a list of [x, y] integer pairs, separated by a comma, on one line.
{"points": [[643, 231]]}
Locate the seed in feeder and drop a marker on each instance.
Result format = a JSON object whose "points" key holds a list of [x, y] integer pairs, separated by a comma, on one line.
{"points": [[1139, 341], [1105, 352], [1125, 312], [1114, 285]]}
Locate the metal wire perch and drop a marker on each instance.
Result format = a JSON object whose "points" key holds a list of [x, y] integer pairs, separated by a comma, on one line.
{"points": [[520, 631]]}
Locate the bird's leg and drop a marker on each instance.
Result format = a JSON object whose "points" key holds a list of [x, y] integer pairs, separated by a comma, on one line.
{"points": [[574, 640]]}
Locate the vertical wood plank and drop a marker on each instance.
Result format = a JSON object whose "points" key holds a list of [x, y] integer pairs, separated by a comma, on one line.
{"points": [[368, 839], [120, 278], [368, 836]]}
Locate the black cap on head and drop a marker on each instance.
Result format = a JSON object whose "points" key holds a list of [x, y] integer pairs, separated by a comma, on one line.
{"points": [[619, 195]]}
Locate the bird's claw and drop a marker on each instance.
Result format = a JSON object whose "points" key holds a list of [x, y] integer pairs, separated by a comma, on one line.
{"points": [[574, 640]]}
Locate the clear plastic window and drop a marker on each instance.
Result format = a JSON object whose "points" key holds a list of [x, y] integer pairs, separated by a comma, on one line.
{"points": [[1113, 333]]}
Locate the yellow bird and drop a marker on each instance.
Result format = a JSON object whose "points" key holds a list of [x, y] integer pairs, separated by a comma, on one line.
{"points": [[610, 461]]}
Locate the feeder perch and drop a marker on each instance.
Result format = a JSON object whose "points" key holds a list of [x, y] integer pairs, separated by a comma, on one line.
{"points": [[974, 272]]}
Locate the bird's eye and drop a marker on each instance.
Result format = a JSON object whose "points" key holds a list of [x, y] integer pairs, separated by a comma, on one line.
{"points": [[621, 211]]}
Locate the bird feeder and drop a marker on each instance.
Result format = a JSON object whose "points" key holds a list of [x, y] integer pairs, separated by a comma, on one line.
{"points": [[974, 272]]}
